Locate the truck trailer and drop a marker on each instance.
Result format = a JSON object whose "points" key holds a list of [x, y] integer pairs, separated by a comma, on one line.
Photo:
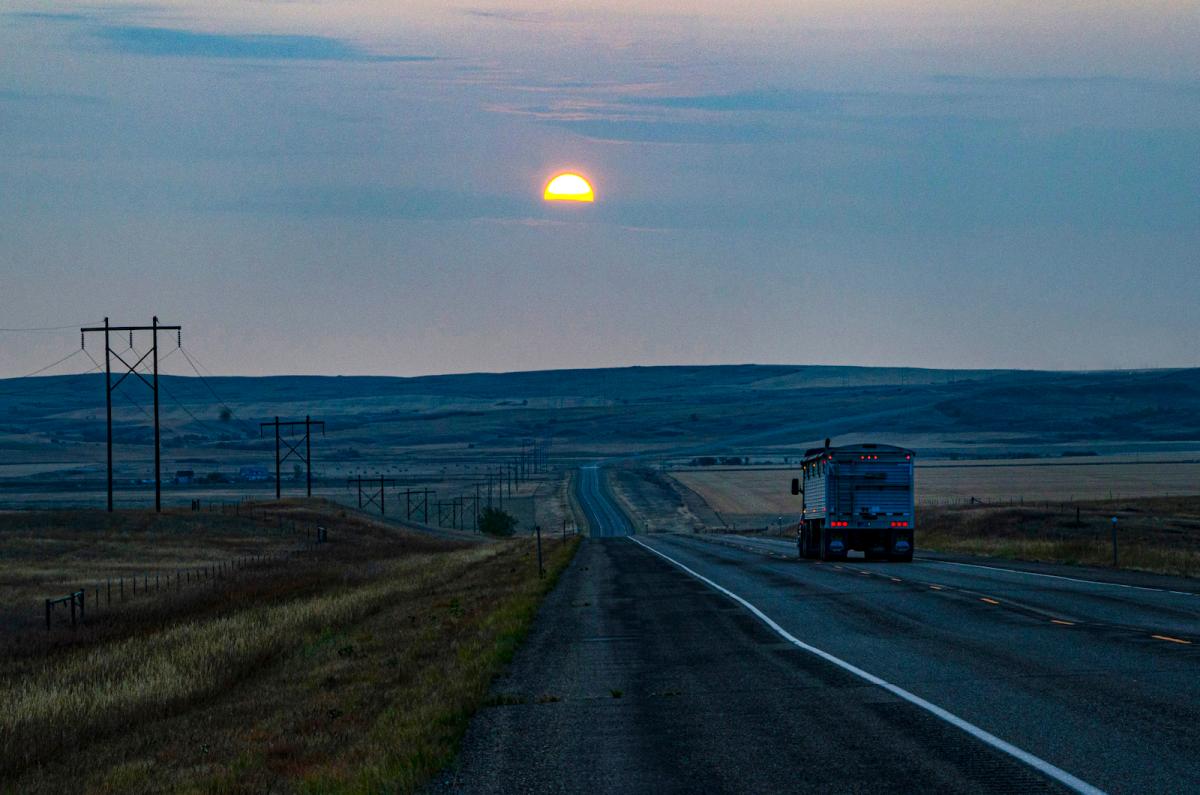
{"points": [[856, 497]]}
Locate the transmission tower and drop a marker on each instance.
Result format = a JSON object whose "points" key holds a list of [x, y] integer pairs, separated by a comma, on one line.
{"points": [[293, 449], [378, 497], [131, 369]]}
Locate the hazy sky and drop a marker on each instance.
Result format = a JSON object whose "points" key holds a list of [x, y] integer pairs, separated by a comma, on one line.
{"points": [[354, 187]]}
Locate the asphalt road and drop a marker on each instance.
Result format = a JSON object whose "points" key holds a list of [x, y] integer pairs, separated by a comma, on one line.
{"points": [[605, 518], [676, 663]]}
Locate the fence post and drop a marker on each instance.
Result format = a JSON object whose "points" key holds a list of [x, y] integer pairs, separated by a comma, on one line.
{"points": [[72, 611], [110, 591], [48, 615], [82, 601], [538, 529]]}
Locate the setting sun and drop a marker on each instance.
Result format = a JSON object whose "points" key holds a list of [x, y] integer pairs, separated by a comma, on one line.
{"points": [[569, 187]]}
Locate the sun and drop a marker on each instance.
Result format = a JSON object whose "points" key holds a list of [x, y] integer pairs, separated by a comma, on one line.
{"points": [[569, 187]]}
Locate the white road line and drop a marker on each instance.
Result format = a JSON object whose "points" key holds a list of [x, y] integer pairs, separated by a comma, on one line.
{"points": [[1037, 763], [1053, 576]]}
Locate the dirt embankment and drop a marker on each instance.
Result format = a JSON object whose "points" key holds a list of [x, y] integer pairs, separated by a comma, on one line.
{"points": [[658, 504]]}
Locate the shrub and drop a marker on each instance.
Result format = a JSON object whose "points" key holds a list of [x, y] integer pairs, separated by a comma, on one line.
{"points": [[495, 522]]}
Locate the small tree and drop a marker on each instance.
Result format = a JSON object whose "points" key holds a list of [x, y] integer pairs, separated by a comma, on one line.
{"points": [[495, 522]]}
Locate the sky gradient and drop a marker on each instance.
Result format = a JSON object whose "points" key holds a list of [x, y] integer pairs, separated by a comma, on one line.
{"points": [[355, 187]]}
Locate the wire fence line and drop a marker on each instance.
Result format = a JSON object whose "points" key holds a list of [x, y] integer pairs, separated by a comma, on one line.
{"points": [[73, 609], [1020, 500]]}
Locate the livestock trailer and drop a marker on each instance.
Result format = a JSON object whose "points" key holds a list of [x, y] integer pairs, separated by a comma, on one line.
{"points": [[856, 497]]}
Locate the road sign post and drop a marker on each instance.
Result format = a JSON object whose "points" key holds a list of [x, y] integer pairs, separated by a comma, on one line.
{"points": [[1114, 541]]}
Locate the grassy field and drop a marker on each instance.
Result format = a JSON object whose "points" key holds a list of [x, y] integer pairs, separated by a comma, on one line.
{"points": [[748, 492], [1154, 534], [350, 667]]}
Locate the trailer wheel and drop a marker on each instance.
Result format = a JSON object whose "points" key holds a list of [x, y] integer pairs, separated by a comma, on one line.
{"points": [[904, 558], [824, 552]]}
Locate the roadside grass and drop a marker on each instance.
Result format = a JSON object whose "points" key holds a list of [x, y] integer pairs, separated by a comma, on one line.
{"points": [[1160, 534], [51, 553], [363, 686]]}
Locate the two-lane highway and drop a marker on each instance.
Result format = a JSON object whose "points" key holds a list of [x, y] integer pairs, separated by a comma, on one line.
{"points": [[604, 517], [680, 663]]}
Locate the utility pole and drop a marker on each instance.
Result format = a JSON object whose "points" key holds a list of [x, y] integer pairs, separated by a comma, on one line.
{"points": [[131, 369], [475, 513], [293, 449]]}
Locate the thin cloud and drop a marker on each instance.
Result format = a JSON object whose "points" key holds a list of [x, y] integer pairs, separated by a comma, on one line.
{"points": [[762, 100], [171, 42], [510, 15]]}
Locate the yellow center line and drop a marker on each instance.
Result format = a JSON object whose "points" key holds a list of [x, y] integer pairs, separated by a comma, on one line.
{"points": [[1064, 623], [897, 579], [1172, 640], [936, 587], [839, 568], [989, 601]]}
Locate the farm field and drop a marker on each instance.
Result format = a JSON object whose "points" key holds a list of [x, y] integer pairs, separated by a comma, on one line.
{"points": [[351, 665], [761, 492], [1158, 534]]}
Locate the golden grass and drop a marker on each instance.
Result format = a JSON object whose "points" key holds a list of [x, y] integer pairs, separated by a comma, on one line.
{"points": [[754, 492], [363, 687], [1158, 535]]}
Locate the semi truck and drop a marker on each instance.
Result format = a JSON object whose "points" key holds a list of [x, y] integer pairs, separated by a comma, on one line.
{"points": [[856, 497]]}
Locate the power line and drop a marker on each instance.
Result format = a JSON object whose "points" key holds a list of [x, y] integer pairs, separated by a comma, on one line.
{"points": [[47, 328], [47, 367], [179, 403], [220, 402]]}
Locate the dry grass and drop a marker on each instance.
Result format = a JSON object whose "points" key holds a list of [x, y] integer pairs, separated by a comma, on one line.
{"points": [[51, 553], [1158, 534], [731, 492], [358, 682], [751, 496]]}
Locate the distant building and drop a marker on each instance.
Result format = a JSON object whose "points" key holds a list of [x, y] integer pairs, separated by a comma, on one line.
{"points": [[184, 476], [253, 473]]}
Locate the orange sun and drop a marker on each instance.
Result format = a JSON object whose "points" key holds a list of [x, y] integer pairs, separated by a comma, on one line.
{"points": [[569, 187]]}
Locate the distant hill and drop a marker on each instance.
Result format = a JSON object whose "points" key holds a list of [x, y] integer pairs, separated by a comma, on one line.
{"points": [[662, 409]]}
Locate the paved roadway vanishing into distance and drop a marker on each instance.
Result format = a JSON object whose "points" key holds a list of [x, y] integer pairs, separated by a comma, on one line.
{"points": [[681, 663]]}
